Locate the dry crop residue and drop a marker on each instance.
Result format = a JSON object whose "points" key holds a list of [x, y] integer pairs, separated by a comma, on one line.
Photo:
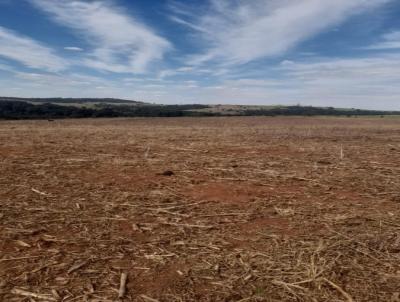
{"points": [[254, 209]]}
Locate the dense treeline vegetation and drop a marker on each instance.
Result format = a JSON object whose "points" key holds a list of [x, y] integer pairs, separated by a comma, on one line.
{"points": [[72, 100], [313, 111], [12, 109], [24, 110]]}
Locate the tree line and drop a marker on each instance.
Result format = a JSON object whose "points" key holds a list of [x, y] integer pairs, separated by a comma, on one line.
{"points": [[10, 109], [25, 110]]}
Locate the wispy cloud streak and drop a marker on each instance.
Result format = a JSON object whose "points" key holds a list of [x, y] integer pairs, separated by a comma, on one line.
{"points": [[238, 32], [29, 52], [121, 43], [389, 41]]}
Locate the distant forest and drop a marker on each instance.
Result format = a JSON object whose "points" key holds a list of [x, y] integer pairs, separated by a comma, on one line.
{"points": [[46, 109], [71, 100], [25, 110]]}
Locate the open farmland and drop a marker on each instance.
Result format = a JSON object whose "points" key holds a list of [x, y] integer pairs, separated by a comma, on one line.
{"points": [[200, 209]]}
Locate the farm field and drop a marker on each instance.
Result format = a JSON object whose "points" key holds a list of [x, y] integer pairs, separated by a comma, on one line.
{"points": [[200, 209]]}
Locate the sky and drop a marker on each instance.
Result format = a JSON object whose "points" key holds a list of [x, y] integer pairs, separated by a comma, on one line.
{"points": [[341, 53]]}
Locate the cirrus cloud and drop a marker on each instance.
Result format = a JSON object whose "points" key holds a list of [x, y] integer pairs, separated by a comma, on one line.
{"points": [[389, 41], [121, 43], [29, 52], [237, 32]]}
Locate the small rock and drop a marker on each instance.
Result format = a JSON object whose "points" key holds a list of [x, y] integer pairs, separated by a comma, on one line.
{"points": [[168, 173], [324, 162]]}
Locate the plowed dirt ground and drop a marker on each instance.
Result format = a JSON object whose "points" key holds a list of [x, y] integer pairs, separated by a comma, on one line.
{"points": [[256, 209]]}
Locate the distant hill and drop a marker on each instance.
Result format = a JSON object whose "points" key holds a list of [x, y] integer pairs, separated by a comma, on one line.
{"points": [[74, 101], [260, 110], [52, 108], [18, 108]]}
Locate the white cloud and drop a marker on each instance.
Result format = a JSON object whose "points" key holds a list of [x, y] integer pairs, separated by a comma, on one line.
{"points": [[29, 52], [186, 23], [389, 41], [238, 31], [30, 84], [231, 32], [122, 43], [73, 48], [66, 81], [370, 82]]}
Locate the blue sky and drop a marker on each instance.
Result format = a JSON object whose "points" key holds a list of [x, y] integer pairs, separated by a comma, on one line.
{"points": [[343, 53]]}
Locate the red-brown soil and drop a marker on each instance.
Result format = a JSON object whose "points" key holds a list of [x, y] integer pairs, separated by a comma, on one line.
{"points": [[256, 209]]}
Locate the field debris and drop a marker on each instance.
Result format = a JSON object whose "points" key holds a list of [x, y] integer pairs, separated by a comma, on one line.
{"points": [[122, 286], [258, 209], [21, 292], [167, 173]]}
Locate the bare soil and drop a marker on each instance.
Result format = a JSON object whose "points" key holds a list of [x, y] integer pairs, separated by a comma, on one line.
{"points": [[256, 209]]}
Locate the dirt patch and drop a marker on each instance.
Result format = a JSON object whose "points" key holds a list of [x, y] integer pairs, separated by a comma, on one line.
{"points": [[279, 226], [225, 192]]}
